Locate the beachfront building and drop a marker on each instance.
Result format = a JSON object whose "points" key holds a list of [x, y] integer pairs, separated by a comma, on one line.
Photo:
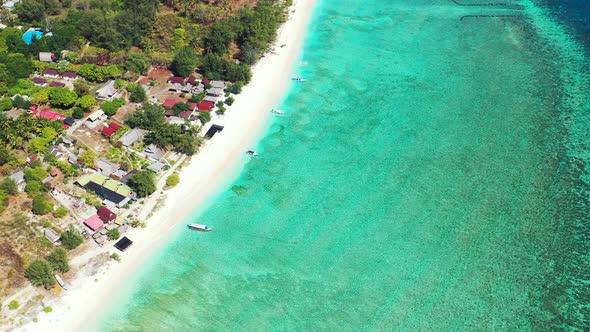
{"points": [[106, 215], [112, 191], [215, 92], [154, 152], [94, 222], [107, 91]]}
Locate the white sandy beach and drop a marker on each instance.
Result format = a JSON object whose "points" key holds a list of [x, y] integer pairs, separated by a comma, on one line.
{"points": [[208, 172]]}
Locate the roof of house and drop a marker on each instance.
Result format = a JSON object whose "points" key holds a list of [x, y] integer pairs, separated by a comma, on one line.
{"points": [[192, 79], [94, 222], [69, 74], [205, 106], [39, 80], [185, 114], [192, 106], [69, 121], [46, 56], [107, 90], [212, 99], [215, 91], [57, 84], [107, 167], [213, 130], [95, 115], [126, 178], [105, 214], [18, 176], [176, 79], [51, 235], [217, 84], [107, 188], [156, 166], [50, 115], [123, 244], [154, 151], [132, 136], [170, 102], [205, 80], [55, 150], [110, 130], [51, 72]]}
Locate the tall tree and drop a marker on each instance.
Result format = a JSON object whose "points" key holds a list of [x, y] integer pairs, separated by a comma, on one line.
{"points": [[185, 62]]}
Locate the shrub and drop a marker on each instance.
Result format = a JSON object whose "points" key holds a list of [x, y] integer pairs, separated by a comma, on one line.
{"points": [[9, 186], [113, 234], [204, 117], [41, 205], [116, 257], [71, 239], [40, 273], [60, 212], [78, 113], [59, 260], [235, 88], [48, 309], [13, 305], [172, 180], [197, 98], [229, 101]]}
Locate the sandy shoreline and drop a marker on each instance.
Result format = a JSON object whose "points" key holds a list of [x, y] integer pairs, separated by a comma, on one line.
{"points": [[207, 173]]}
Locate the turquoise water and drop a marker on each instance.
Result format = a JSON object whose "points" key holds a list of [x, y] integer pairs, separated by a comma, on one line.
{"points": [[430, 175]]}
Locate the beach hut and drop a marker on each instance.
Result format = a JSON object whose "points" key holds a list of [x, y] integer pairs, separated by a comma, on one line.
{"points": [[213, 130], [94, 222], [105, 214], [123, 244]]}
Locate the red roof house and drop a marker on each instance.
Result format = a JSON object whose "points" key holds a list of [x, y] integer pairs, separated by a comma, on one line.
{"points": [[205, 80], [192, 79], [110, 130], [191, 106], [205, 106], [176, 80], [69, 75], [39, 81], [94, 222], [49, 115], [57, 84], [185, 114], [106, 215], [50, 72], [170, 102]]}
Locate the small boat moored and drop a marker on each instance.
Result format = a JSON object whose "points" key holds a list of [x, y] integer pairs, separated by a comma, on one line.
{"points": [[252, 153], [200, 227], [298, 79], [276, 111]]}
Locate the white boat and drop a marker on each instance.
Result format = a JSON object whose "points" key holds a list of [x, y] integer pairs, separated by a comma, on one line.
{"points": [[298, 79], [252, 153], [61, 282], [200, 227], [276, 111]]}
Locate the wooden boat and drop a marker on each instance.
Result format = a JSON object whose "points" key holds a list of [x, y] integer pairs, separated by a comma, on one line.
{"points": [[200, 227], [276, 111], [61, 282], [252, 153], [298, 79]]}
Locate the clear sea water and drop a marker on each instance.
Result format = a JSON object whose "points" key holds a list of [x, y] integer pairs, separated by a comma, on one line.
{"points": [[430, 176]]}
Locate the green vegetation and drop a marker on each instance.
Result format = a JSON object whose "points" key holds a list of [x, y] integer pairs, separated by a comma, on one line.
{"points": [[204, 117], [40, 273], [111, 107], [185, 62], [138, 95], [71, 239], [86, 103], [59, 260], [173, 180], [113, 234], [13, 305], [152, 117], [60, 212], [48, 309], [88, 158], [116, 257], [143, 183], [62, 97], [41, 205]]}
